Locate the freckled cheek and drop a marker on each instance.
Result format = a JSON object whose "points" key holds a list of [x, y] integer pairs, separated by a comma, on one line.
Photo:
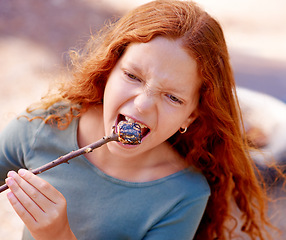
{"points": [[169, 121], [112, 90], [125, 92], [117, 86], [170, 127]]}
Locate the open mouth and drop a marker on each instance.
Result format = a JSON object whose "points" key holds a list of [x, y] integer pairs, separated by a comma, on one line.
{"points": [[144, 129]]}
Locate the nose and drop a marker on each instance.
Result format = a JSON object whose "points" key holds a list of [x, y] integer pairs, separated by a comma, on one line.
{"points": [[145, 101]]}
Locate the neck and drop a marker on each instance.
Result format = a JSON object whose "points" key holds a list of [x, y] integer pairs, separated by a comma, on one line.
{"points": [[155, 164]]}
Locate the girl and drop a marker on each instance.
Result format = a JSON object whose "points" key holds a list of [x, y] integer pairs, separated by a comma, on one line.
{"points": [[165, 65]]}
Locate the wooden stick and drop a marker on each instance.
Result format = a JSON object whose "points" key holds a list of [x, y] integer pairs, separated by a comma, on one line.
{"points": [[64, 159]]}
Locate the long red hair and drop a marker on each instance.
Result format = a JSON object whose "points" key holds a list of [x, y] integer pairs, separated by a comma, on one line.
{"points": [[214, 142]]}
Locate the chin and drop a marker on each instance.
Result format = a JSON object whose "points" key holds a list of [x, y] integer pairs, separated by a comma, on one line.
{"points": [[119, 149]]}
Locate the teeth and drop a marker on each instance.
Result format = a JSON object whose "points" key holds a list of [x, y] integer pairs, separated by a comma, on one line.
{"points": [[141, 125], [130, 120]]}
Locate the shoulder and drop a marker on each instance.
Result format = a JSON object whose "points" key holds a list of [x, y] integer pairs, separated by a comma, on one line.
{"points": [[192, 183], [20, 128], [27, 125]]}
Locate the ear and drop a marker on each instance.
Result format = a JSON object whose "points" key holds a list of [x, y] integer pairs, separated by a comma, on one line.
{"points": [[190, 119]]}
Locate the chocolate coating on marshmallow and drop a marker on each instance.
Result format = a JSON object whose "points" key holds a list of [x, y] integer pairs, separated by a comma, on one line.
{"points": [[129, 133]]}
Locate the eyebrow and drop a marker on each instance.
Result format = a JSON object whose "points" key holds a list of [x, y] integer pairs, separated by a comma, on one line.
{"points": [[133, 66]]}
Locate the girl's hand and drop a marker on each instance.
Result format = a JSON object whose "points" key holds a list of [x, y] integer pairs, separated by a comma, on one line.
{"points": [[41, 207]]}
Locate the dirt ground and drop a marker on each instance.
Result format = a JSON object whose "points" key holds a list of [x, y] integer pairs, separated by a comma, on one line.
{"points": [[35, 37]]}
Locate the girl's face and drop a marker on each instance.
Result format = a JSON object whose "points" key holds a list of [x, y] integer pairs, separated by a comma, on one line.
{"points": [[155, 84]]}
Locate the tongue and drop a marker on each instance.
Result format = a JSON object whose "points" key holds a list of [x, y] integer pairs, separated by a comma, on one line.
{"points": [[129, 133]]}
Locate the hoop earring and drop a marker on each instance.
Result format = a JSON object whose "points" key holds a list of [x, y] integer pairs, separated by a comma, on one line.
{"points": [[183, 130]]}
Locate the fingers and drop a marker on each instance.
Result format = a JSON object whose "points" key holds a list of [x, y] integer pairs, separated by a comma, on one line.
{"points": [[41, 185], [41, 207], [18, 206], [31, 196]]}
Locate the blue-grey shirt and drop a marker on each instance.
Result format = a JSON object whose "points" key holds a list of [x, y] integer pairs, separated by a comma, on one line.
{"points": [[101, 207]]}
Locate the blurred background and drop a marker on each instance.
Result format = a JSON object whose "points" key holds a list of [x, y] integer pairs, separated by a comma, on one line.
{"points": [[36, 35]]}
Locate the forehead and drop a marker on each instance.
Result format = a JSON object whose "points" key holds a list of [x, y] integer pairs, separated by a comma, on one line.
{"points": [[164, 61]]}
